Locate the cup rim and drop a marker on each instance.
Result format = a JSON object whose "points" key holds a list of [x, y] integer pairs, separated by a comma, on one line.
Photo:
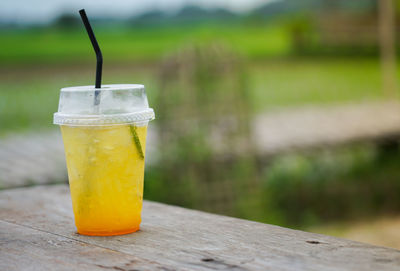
{"points": [[108, 87], [102, 119]]}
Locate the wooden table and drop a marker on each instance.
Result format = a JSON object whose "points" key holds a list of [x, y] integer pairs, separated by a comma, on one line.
{"points": [[37, 232]]}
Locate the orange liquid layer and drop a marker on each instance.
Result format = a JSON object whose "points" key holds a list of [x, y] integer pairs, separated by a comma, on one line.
{"points": [[106, 233], [105, 171]]}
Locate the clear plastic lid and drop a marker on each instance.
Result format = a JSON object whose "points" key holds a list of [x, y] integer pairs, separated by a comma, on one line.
{"points": [[112, 104]]}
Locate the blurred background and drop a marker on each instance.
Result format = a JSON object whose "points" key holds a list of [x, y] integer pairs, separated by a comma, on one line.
{"points": [[282, 111]]}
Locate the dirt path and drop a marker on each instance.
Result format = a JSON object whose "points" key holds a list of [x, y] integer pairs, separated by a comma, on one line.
{"points": [[34, 158]]}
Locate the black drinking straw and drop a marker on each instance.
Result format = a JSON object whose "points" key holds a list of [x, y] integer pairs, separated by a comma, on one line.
{"points": [[99, 56]]}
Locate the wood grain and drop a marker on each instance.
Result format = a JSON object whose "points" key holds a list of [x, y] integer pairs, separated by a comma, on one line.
{"points": [[36, 229], [24, 248]]}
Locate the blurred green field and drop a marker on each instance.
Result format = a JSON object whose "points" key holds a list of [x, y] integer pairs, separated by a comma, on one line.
{"points": [[36, 62], [29, 94], [127, 44]]}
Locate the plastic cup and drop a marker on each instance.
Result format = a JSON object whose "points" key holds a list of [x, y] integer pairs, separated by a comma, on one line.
{"points": [[105, 148]]}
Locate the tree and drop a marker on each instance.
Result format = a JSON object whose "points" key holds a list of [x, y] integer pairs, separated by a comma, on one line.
{"points": [[67, 20]]}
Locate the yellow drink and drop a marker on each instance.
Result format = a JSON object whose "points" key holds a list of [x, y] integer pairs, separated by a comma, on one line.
{"points": [[105, 171]]}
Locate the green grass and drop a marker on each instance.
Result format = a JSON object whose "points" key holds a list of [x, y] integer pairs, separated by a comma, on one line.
{"points": [[29, 96], [52, 45], [320, 81], [27, 105]]}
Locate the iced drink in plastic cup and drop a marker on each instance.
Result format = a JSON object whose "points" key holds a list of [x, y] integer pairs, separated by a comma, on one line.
{"points": [[105, 148]]}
